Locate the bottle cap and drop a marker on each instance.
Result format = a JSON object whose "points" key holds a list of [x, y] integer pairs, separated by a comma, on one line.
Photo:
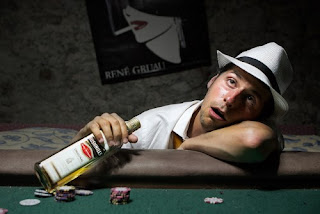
{"points": [[133, 125]]}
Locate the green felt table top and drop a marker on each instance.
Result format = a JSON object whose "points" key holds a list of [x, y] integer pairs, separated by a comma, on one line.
{"points": [[170, 201]]}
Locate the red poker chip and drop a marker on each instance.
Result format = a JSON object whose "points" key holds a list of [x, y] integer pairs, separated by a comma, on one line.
{"points": [[3, 211], [119, 195], [64, 199], [65, 193], [124, 190]]}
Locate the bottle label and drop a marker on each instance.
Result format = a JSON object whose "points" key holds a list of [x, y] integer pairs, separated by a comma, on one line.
{"points": [[72, 158], [86, 150]]}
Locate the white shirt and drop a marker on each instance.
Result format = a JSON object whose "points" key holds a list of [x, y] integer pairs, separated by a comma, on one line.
{"points": [[157, 125]]}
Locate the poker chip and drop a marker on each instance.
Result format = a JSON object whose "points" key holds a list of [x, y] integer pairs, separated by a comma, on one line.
{"points": [[42, 193], [120, 195], [213, 200], [65, 193], [3, 211], [83, 192], [29, 202]]}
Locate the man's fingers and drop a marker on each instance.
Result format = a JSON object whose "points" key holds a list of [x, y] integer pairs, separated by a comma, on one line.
{"points": [[123, 128], [113, 127], [94, 128], [132, 138]]}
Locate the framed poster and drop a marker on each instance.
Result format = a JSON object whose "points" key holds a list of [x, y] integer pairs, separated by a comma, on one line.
{"points": [[136, 38]]}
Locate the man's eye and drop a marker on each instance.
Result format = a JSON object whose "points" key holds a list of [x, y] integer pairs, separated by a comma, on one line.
{"points": [[231, 81], [250, 98]]}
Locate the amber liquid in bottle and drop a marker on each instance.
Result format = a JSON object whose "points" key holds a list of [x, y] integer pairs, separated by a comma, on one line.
{"points": [[75, 159]]}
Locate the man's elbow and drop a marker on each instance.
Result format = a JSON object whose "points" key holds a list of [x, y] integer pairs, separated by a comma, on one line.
{"points": [[258, 144]]}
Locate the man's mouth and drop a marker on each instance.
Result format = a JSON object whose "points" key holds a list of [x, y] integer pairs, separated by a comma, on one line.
{"points": [[218, 114]]}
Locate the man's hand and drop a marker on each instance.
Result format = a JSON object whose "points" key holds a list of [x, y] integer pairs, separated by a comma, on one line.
{"points": [[113, 127]]}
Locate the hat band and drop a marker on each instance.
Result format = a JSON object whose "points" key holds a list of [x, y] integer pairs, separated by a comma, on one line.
{"points": [[262, 67]]}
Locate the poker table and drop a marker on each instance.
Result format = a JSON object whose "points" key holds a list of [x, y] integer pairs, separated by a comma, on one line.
{"points": [[172, 181], [167, 200], [165, 181]]}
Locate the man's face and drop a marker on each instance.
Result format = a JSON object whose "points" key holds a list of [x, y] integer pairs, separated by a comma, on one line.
{"points": [[232, 97]]}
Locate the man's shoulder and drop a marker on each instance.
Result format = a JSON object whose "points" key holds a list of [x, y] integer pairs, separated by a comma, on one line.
{"points": [[168, 114]]}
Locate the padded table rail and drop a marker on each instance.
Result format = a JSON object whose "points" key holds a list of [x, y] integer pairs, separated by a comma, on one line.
{"points": [[173, 169]]}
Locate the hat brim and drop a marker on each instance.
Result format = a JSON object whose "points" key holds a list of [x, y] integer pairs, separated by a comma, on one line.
{"points": [[281, 106]]}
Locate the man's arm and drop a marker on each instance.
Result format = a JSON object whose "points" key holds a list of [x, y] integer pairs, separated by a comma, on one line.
{"points": [[246, 142]]}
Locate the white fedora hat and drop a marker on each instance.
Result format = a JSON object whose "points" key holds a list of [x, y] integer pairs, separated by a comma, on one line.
{"points": [[268, 63]]}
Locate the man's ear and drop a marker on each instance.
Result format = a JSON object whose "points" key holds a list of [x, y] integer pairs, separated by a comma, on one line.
{"points": [[211, 81]]}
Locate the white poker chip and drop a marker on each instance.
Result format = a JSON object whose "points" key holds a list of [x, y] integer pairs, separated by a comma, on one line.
{"points": [[42, 193], [83, 192], [213, 200], [66, 188], [29, 202]]}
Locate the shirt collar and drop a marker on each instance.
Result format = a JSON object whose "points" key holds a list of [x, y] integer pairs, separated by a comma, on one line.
{"points": [[181, 127]]}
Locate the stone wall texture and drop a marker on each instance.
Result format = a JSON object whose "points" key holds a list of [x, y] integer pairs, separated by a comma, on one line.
{"points": [[49, 72]]}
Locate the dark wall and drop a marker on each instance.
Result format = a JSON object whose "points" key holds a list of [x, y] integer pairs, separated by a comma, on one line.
{"points": [[49, 72]]}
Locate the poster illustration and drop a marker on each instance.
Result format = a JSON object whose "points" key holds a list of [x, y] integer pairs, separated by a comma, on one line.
{"points": [[136, 38]]}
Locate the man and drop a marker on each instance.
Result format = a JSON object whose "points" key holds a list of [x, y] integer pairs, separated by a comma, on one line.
{"points": [[234, 121]]}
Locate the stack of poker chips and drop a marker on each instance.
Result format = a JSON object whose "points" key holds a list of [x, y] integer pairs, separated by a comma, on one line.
{"points": [[120, 195], [65, 193]]}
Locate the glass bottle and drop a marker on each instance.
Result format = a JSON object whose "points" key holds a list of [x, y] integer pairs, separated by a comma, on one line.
{"points": [[75, 159]]}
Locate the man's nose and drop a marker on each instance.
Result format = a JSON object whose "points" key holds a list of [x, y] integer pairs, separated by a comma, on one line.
{"points": [[232, 98]]}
